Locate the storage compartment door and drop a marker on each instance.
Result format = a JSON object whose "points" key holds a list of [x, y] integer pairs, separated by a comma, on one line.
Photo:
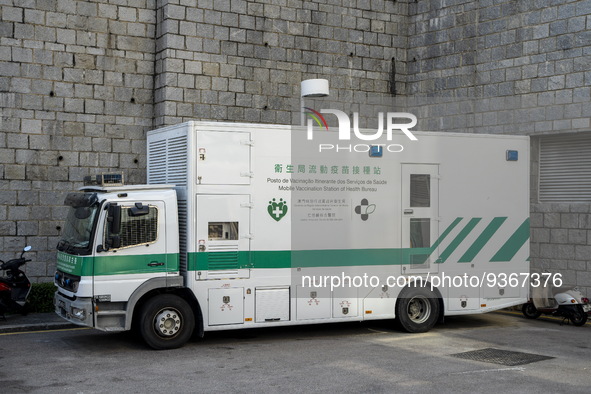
{"points": [[223, 236], [226, 306], [272, 304], [223, 158]]}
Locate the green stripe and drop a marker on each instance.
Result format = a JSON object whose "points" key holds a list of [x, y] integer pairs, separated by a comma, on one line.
{"points": [[135, 264], [514, 243], [459, 238], [200, 261], [116, 265], [74, 265], [482, 240], [446, 233]]}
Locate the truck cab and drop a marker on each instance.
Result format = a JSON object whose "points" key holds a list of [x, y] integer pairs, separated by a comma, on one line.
{"points": [[119, 245]]}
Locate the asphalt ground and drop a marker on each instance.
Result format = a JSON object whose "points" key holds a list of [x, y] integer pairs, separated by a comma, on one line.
{"points": [[343, 357], [51, 321]]}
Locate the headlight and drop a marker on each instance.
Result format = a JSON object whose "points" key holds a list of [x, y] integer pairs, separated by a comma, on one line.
{"points": [[78, 313]]}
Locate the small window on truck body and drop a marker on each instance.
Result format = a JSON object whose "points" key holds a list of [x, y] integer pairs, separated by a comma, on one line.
{"points": [[137, 229], [222, 231]]}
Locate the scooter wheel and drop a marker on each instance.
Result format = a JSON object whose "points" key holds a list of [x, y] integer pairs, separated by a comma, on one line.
{"points": [[530, 311], [578, 317]]}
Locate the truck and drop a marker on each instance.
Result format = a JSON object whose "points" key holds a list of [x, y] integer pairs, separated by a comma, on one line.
{"points": [[255, 225]]}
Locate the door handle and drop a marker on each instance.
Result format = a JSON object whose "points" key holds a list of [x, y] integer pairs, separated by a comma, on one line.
{"points": [[408, 211], [155, 264]]}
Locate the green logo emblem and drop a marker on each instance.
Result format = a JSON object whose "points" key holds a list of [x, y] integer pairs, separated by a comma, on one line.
{"points": [[277, 210]]}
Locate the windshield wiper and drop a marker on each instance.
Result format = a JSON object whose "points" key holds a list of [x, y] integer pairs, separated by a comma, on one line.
{"points": [[65, 246]]}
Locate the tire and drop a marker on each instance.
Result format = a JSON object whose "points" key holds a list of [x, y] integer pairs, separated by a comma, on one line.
{"points": [[578, 317], [529, 311], [417, 309], [166, 322]]}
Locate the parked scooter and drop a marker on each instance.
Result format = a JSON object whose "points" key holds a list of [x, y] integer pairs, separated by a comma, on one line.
{"points": [[565, 302], [15, 286]]}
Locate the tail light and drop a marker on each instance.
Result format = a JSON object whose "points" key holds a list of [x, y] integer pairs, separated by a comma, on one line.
{"points": [[4, 287], [585, 300]]}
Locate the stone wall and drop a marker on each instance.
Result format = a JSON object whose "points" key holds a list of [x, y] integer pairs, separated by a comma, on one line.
{"points": [[76, 96], [244, 60], [82, 81], [515, 67]]}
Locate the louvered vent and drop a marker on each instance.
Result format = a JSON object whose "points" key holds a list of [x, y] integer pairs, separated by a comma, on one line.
{"points": [[565, 168], [182, 206], [167, 161], [222, 257]]}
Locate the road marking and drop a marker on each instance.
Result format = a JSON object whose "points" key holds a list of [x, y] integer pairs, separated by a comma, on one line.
{"points": [[39, 331]]}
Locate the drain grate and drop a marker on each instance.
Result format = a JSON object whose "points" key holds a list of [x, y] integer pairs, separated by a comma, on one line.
{"points": [[502, 357]]}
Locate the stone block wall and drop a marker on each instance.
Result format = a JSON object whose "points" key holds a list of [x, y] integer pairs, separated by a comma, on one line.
{"points": [[82, 81], [561, 241], [514, 67], [244, 60], [76, 96]]}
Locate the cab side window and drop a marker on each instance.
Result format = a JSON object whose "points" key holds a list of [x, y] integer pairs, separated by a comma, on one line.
{"points": [[139, 225]]}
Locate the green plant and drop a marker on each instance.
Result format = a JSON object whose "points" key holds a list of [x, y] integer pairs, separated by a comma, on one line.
{"points": [[41, 297]]}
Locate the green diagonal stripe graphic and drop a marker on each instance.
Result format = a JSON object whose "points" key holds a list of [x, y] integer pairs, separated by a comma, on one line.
{"points": [[482, 240], [445, 233], [514, 243], [459, 238]]}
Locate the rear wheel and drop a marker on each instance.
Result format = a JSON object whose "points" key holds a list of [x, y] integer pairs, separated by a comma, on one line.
{"points": [[529, 310], [417, 309], [578, 316], [166, 322]]}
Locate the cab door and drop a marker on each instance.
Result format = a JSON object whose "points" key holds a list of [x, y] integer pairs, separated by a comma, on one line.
{"points": [[139, 254]]}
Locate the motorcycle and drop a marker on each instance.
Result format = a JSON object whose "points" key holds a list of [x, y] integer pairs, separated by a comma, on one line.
{"points": [[565, 302], [15, 286]]}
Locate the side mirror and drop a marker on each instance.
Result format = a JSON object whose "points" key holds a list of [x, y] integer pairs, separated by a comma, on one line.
{"points": [[26, 249], [139, 209], [114, 219], [112, 238]]}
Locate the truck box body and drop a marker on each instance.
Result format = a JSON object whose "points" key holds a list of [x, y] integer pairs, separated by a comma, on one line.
{"points": [[477, 202]]}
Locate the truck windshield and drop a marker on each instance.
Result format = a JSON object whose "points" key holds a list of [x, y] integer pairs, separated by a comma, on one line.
{"points": [[80, 223]]}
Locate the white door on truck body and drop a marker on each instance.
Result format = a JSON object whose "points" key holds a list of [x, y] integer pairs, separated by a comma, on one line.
{"points": [[420, 214], [223, 236], [223, 158]]}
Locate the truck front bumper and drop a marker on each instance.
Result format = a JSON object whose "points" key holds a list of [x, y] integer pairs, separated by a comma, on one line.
{"points": [[78, 311]]}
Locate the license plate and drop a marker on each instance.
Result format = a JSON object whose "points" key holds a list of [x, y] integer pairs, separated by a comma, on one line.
{"points": [[586, 308]]}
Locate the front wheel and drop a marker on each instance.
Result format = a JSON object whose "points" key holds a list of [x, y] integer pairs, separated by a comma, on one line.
{"points": [[417, 309], [529, 310], [166, 322], [578, 317]]}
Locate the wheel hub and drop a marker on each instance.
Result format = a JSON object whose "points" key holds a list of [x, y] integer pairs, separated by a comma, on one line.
{"points": [[419, 309], [167, 322]]}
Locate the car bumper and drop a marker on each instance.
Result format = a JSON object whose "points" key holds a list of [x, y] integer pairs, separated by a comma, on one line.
{"points": [[78, 311]]}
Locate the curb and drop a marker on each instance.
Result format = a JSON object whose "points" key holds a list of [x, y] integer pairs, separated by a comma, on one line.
{"points": [[33, 322], [35, 327]]}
